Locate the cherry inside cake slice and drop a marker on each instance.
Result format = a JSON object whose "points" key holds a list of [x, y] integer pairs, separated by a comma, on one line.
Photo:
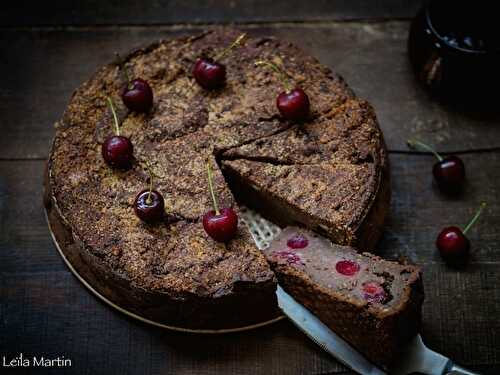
{"points": [[372, 303]]}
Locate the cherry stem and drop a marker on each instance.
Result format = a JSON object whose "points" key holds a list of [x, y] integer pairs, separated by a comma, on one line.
{"points": [[413, 143], [281, 73], [211, 187], [117, 126], [225, 51], [474, 219], [148, 167]]}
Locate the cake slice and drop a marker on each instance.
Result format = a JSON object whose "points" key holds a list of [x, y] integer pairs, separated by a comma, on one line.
{"points": [[334, 199], [372, 303], [330, 175]]}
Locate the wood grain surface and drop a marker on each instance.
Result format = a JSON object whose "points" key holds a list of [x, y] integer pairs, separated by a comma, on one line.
{"points": [[130, 12], [45, 55]]}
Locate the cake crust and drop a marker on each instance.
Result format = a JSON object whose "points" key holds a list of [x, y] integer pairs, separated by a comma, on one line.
{"points": [[173, 273]]}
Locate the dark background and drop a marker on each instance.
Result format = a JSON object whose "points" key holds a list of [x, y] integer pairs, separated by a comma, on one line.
{"points": [[47, 50]]}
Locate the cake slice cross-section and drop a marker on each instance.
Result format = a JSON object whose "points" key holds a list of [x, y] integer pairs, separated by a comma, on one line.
{"points": [[372, 303]]}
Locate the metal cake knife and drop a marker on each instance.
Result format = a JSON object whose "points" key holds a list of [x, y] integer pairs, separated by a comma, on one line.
{"points": [[416, 357]]}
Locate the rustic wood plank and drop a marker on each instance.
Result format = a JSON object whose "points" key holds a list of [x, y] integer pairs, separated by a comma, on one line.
{"points": [[458, 314], [94, 12], [371, 56]]}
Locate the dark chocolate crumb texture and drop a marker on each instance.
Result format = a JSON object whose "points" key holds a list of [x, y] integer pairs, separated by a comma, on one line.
{"points": [[373, 303], [329, 173]]}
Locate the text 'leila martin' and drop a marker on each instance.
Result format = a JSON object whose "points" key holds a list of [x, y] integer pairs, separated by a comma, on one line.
{"points": [[36, 361]]}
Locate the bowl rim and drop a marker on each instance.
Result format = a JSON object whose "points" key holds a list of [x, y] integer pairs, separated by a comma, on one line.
{"points": [[433, 30]]}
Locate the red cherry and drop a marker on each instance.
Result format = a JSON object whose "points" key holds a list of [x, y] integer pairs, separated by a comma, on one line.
{"points": [[373, 292], [149, 206], [138, 95], [209, 74], [293, 105], [449, 172], [221, 225], [118, 151], [298, 241], [452, 243], [347, 267]]}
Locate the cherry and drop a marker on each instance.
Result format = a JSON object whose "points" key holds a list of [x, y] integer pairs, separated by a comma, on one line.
{"points": [[298, 241], [210, 73], [373, 292], [149, 205], [117, 150], [452, 243], [449, 172], [222, 224], [138, 95], [293, 104], [347, 267]]}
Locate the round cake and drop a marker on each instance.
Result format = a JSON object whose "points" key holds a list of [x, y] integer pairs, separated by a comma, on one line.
{"points": [[328, 173]]}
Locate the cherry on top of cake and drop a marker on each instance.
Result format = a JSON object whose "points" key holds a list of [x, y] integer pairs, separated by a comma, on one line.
{"points": [[357, 278]]}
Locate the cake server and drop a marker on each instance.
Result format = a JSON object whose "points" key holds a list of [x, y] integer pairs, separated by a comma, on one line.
{"points": [[415, 357]]}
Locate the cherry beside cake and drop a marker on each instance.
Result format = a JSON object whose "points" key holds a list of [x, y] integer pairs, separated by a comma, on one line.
{"points": [[372, 303], [327, 171]]}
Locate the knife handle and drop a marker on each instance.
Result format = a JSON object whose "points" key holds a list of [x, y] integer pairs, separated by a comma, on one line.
{"points": [[458, 370]]}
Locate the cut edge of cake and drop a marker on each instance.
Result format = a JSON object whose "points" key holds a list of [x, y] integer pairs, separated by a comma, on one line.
{"points": [[376, 330]]}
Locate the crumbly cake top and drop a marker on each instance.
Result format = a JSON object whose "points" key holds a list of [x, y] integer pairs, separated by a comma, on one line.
{"points": [[329, 168], [186, 126]]}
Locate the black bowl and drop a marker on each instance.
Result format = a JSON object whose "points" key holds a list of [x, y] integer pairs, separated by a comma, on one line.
{"points": [[454, 49]]}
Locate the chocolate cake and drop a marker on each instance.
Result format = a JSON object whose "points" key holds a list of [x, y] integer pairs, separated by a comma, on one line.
{"points": [[329, 173], [372, 303]]}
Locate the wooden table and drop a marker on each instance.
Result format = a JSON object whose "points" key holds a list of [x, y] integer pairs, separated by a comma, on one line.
{"points": [[46, 53]]}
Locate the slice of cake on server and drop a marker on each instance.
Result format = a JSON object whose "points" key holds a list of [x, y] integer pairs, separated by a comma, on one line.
{"points": [[372, 303]]}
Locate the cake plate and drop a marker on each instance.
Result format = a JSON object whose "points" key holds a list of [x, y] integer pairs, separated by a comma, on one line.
{"points": [[262, 232]]}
